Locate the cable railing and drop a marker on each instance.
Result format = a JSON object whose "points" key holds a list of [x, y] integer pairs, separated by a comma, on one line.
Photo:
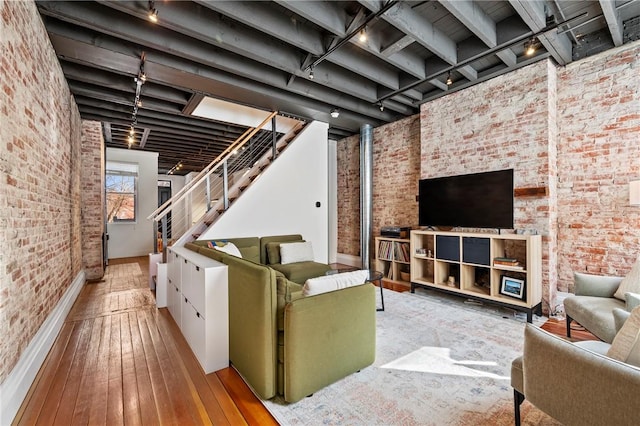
{"points": [[208, 194]]}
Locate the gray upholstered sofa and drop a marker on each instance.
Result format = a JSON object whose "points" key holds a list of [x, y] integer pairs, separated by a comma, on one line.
{"points": [[593, 304], [577, 383]]}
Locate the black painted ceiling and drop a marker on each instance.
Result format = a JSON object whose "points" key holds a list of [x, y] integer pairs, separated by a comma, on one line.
{"points": [[261, 54]]}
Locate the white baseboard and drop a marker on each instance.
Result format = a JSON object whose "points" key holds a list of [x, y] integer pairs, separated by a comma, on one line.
{"points": [[14, 389], [348, 259]]}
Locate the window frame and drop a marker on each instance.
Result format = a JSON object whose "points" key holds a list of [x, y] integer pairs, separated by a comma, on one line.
{"points": [[122, 169]]}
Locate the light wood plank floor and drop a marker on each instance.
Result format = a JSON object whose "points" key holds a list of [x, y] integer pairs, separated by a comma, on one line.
{"points": [[119, 360]]}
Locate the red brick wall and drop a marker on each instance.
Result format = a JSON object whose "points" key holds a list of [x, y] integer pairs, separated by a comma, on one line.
{"points": [[396, 166], [574, 130], [40, 216], [93, 202], [507, 122], [598, 154]]}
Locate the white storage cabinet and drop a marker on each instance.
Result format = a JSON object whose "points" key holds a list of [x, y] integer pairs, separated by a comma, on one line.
{"points": [[197, 298]]}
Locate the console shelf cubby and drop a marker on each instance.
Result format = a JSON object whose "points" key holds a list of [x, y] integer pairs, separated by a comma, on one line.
{"points": [[393, 259], [503, 269]]}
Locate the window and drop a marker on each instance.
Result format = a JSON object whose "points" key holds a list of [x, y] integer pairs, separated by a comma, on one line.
{"points": [[122, 191]]}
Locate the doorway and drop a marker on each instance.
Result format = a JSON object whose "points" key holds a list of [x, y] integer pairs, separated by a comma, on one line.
{"points": [[164, 195]]}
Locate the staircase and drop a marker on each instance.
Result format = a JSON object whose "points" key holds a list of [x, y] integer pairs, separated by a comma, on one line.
{"points": [[207, 196]]}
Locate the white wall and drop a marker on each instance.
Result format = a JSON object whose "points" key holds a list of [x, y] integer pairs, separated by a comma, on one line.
{"points": [[283, 199], [136, 239]]}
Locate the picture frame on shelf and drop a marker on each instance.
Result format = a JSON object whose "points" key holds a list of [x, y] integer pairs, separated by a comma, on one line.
{"points": [[513, 287]]}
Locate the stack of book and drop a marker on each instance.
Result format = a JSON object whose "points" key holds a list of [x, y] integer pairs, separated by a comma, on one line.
{"points": [[507, 261]]}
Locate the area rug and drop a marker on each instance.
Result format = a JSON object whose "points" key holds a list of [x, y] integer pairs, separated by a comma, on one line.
{"points": [[438, 362]]}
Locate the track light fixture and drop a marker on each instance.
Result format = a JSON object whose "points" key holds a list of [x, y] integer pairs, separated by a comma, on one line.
{"points": [[530, 47], [381, 106], [449, 79], [363, 35], [137, 101], [153, 12], [311, 74], [175, 168], [335, 113]]}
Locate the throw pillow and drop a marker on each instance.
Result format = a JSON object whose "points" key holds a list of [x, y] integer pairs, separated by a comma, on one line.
{"points": [[229, 248], [630, 283], [626, 345], [273, 253], [296, 252], [334, 282], [632, 300]]}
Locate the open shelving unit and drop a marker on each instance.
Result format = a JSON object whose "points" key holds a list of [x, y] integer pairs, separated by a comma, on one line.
{"points": [[393, 260], [466, 264]]}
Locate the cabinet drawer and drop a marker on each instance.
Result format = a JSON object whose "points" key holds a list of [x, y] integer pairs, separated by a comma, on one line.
{"points": [[174, 304], [193, 329], [197, 294]]}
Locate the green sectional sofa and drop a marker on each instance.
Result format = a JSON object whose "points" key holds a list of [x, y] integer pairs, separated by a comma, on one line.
{"points": [[284, 343]]}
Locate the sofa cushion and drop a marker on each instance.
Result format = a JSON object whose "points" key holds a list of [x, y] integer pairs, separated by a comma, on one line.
{"points": [[249, 246], [273, 253], [275, 239], [626, 345], [301, 271], [595, 285], [334, 282], [296, 252], [630, 283], [594, 313]]}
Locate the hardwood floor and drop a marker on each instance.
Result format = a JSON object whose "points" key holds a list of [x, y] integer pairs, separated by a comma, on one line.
{"points": [[119, 360]]}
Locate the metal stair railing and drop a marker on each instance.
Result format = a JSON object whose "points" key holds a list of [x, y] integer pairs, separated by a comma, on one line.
{"points": [[181, 204], [212, 191]]}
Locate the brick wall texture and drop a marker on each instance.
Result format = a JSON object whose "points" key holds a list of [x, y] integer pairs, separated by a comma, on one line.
{"points": [[93, 198], [40, 181], [574, 130], [396, 168]]}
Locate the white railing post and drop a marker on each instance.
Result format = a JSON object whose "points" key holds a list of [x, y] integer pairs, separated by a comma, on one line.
{"points": [[208, 192], [225, 185]]}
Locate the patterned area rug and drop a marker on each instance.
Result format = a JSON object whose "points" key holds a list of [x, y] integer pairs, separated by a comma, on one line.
{"points": [[439, 361]]}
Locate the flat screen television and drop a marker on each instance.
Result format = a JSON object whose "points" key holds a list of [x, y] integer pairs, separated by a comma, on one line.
{"points": [[478, 200]]}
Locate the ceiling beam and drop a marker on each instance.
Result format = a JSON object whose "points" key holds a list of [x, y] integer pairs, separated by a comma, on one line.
{"points": [[473, 17], [533, 14], [197, 22], [206, 54], [424, 32], [614, 22]]}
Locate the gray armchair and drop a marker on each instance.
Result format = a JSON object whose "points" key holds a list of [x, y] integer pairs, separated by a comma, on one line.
{"points": [[575, 383], [593, 304]]}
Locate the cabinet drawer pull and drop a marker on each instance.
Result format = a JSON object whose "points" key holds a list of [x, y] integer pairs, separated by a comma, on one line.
{"points": [[197, 268], [176, 288], [185, 261], [198, 314], [185, 299]]}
